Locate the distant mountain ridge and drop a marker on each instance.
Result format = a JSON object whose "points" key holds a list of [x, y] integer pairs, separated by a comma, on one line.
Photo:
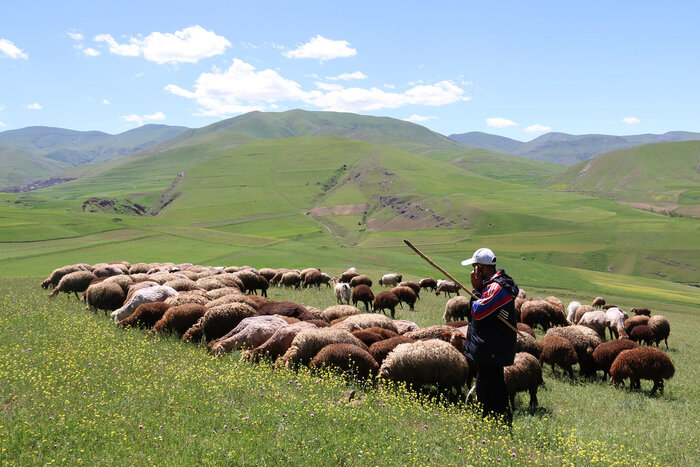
{"points": [[566, 149]]}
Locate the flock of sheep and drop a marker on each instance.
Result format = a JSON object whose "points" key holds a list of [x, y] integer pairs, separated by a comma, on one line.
{"points": [[227, 307]]}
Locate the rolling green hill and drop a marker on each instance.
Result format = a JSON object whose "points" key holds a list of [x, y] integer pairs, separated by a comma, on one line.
{"points": [[659, 177], [20, 167]]}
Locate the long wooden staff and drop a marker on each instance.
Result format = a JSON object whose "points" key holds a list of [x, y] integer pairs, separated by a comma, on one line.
{"points": [[432, 263]]}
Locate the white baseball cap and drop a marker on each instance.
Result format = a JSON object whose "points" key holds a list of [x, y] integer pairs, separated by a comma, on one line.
{"points": [[481, 256]]}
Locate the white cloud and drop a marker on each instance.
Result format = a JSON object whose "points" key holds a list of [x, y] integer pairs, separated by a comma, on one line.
{"points": [[143, 118], [420, 118], [390, 86], [631, 120], [323, 49], [329, 86], [8, 48], [90, 52], [537, 128], [186, 46], [498, 122], [2, 124], [106, 102], [347, 76], [34, 106], [76, 35]]}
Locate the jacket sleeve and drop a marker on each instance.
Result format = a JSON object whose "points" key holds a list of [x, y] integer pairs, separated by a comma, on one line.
{"points": [[493, 298]]}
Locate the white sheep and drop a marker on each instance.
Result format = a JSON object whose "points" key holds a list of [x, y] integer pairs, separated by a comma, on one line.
{"points": [[390, 279], [147, 295], [571, 310], [342, 291]]}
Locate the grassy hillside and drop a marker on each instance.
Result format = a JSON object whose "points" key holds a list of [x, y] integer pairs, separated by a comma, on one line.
{"points": [[662, 177], [20, 167]]}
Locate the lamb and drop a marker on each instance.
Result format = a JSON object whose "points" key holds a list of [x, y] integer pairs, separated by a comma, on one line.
{"points": [[350, 359], [598, 302], [309, 342], [58, 273], [405, 295], [560, 351], [585, 341], [365, 321], [379, 350], [339, 311], [527, 343], [425, 364], [390, 279], [385, 300], [447, 288], [525, 374], [342, 291], [218, 321], [642, 333], [291, 279], [104, 295], [642, 363], [413, 286], [431, 332], [290, 309], [536, 312], [641, 311], [74, 282], [605, 354], [403, 326], [661, 328], [179, 318], [348, 275], [147, 295], [362, 293], [635, 321], [580, 311], [428, 284], [278, 343], [457, 308], [250, 333], [361, 279], [145, 316]]}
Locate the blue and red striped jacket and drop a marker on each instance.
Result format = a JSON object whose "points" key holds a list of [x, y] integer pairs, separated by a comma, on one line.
{"points": [[493, 298]]}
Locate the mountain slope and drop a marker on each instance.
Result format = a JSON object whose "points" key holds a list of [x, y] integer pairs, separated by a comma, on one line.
{"points": [[659, 176], [478, 139], [20, 167]]}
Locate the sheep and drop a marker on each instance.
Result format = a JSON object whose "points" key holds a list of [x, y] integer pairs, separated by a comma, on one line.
{"points": [[642, 363], [403, 326], [598, 302], [661, 328], [362, 293], [179, 318], [641, 311], [250, 333], [361, 279], [350, 359], [56, 275], [339, 311], [425, 364], [412, 285], [218, 321], [303, 273], [222, 292], [150, 294], [311, 278], [319, 323], [75, 282], [525, 374], [580, 312], [233, 298], [291, 279], [315, 312], [642, 333], [365, 321], [522, 293], [290, 309], [367, 337], [267, 273], [527, 343], [585, 340], [277, 278], [194, 296], [447, 288], [635, 321], [605, 354], [457, 308], [457, 324], [390, 279], [139, 268], [536, 312], [557, 350], [405, 295], [348, 275], [616, 322], [428, 284], [557, 314], [107, 270], [145, 316], [522, 327], [325, 279], [309, 342], [379, 350], [278, 343], [596, 320], [431, 332], [385, 300], [342, 291], [104, 295]]}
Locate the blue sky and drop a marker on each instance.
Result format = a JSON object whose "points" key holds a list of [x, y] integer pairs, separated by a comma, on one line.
{"points": [[518, 69]]}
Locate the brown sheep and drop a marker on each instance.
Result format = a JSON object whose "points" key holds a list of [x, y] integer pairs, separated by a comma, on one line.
{"points": [[457, 324], [309, 342], [457, 308], [413, 286], [585, 341], [431, 332], [348, 275], [74, 282], [385, 300], [312, 277], [179, 318], [405, 295], [428, 284], [557, 314], [146, 315], [338, 311], [525, 374], [362, 293], [642, 363], [641, 311], [361, 279], [598, 302], [527, 343], [447, 288], [351, 360], [522, 327], [367, 337], [580, 311], [222, 292], [291, 279], [661, 328], [104, 295], [218, 321], [560, 351], [56, 275], [379, 350], [267, 273], [278, 343], [635, 321], [642, 334], [290, 309], [605, 354], [536, 312]]}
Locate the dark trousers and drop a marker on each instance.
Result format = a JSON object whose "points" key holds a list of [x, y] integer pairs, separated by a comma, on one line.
{"points": [[491, 392]]}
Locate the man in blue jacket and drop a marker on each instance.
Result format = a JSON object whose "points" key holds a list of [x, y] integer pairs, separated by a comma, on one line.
{"points": [[490, 343]]}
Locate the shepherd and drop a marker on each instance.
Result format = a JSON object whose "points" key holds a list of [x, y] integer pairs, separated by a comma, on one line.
{"points": [[490, 344]]}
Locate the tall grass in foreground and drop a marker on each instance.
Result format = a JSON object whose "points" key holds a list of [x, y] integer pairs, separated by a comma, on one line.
{"points": [[76, 390]]}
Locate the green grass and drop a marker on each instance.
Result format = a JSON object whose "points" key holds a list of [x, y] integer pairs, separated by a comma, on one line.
{"points": [[75, 389]]}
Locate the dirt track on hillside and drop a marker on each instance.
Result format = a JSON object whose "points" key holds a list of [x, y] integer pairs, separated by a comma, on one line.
{"points": [[340, 210]]}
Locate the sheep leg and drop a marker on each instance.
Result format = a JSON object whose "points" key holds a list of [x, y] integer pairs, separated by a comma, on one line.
{"points": [[666, 341], [533, 397]]}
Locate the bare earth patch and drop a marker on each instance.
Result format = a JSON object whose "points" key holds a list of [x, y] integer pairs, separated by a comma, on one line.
{"points": [[340, 210], [651, 207]]}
